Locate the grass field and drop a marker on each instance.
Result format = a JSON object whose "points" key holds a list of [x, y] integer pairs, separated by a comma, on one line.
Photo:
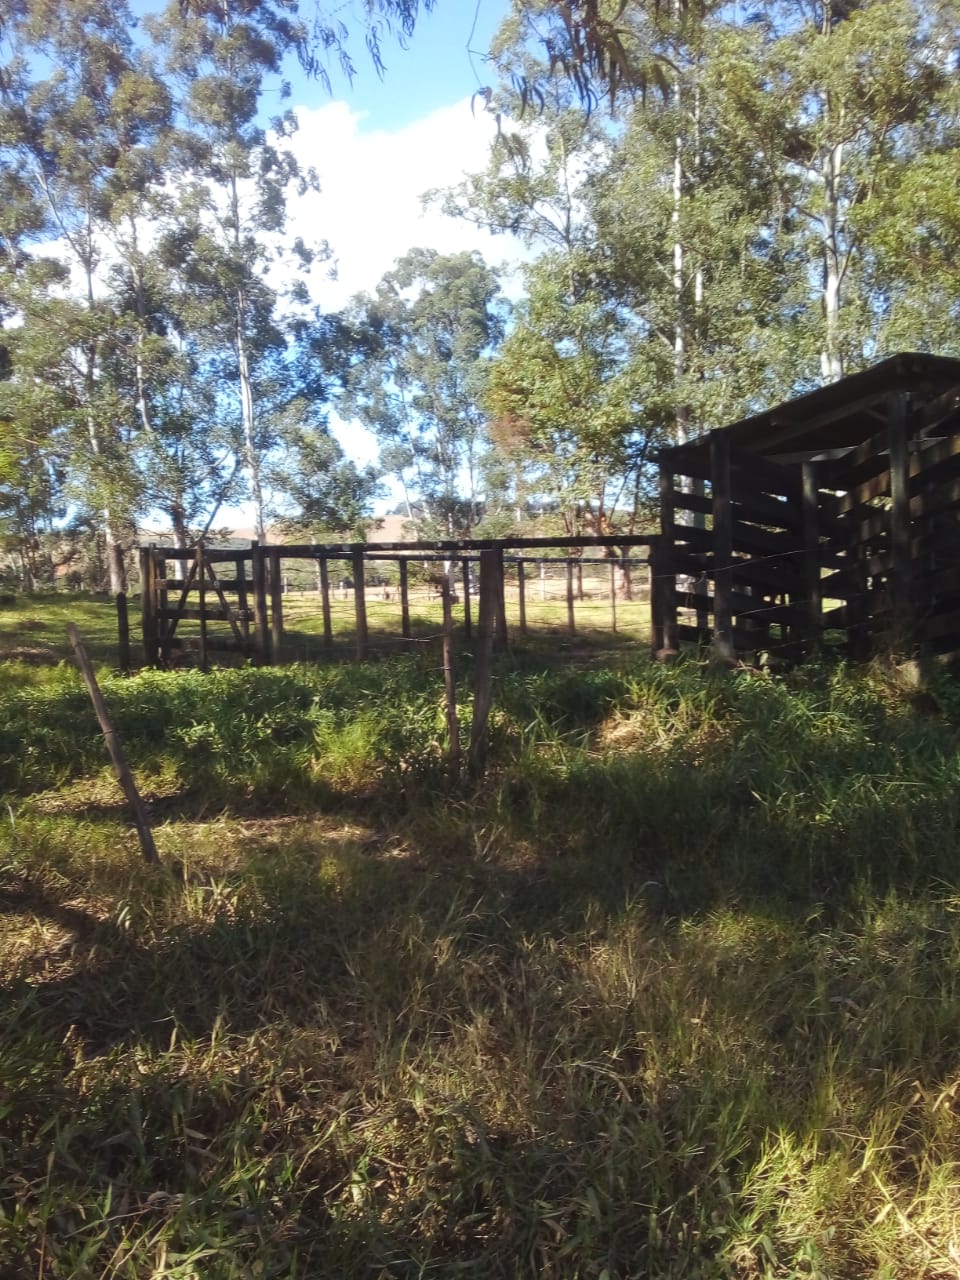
{"points": [[674, 993]]}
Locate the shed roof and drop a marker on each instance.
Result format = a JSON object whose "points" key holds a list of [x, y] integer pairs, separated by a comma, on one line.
{"points": [[835, 417]]}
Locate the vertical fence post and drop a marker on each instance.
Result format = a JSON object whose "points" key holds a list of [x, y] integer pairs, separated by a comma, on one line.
{"points": [[571, 623], [123, 632], [898, 413], [360, 600], [722, 543], [487, 610], [258, 572], [148, 607], [242, 604], [201, 576], [465, 576], [404, 567], [656, 597], [450, 682], [613, 596], [276, 607], [323, 572], [501, 624], [666, 563], [522, 596], [811, 553]]}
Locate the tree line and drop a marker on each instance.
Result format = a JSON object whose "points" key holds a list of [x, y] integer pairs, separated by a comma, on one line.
{"points": [[721, 206]]}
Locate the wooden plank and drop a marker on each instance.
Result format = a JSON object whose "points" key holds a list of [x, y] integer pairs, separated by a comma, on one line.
{"points": [[180, 605], [224, 605], [571, 620], [123, 633], [360, 600], [613, 596], [522, 596]]}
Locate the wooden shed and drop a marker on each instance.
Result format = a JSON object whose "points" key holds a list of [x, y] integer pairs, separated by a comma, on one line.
{"points": [[832, 518]]}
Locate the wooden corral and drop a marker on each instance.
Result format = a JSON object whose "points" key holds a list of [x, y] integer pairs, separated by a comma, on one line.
{"points": [[237, 596], [832, 518]]}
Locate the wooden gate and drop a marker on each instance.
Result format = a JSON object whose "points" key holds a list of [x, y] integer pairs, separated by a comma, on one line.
{"points": [[195, 591]]}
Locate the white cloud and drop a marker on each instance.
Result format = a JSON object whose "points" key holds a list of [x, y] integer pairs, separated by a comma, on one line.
{"points": [[369, 207]]}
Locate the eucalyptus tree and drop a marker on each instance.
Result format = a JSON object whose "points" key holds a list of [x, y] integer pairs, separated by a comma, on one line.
{"points": [[228, 231], [80, 110], [838, 100], [423, 344]]}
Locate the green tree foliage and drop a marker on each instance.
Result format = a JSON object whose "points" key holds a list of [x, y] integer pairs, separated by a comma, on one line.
{"points": [[423, 347]]}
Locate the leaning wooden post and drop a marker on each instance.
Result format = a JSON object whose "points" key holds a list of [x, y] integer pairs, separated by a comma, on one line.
{"points": [[722, 544], [121, 768], [360, 600], [571, 623], [202, 602], [465, 578], [522, 596], [450, 683], [487, 609], [123, 632], [258, 572], [404, 567], [148, 607], [323, 566]]}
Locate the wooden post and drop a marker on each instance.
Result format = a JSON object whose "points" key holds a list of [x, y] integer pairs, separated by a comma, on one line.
{"points": [[242, 606], [258, 571], [656, 597], [123, 632], [898, 413], [450, 683], [201, 576], [522, 596], [465, 576], [323, 571], [404, 566], [160, 602], [276, 607], [613, 596], [148, 607], [501, 601], [487, 611], [360, 600], [571, 623], [665, 564], [722, 543], [121, 768], [811, 553]]}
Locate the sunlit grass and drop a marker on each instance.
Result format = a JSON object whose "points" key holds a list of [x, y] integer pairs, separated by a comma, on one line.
{"points": [[675, 993]]}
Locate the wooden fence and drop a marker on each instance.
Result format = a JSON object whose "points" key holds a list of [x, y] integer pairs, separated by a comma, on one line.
{"points": [[236, 597]]}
